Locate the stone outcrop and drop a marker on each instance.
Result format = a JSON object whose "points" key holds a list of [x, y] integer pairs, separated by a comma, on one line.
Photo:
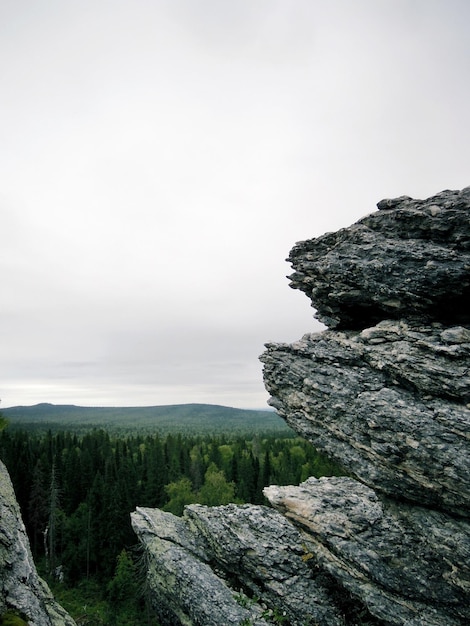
{"points": [[410, 258], [407, 564], [388, 403], [218, 566], [21, 589], [385, 392]]}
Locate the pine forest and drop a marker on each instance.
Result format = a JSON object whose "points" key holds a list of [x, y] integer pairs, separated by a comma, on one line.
{"points": [[76, 493]]}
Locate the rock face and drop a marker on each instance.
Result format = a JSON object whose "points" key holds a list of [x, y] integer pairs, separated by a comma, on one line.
{"points": [[21, 589], [231, 564], [385, 392], [410, 258], [388, 403], [407, 564]]}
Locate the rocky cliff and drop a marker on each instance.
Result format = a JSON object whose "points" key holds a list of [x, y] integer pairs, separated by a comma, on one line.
{"points": [[384, 391], [21, 589]]}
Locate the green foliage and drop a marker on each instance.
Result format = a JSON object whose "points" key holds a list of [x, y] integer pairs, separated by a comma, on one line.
{"points": [[216, 490], [243, 600], [84, 602], [123, 591], [180, 494], [274, 616], [12, 618], [83, 488], [123, 586]]}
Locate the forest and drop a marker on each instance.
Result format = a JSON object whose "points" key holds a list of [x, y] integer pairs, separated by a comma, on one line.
{"points": [[174, 418], [76, 493]]}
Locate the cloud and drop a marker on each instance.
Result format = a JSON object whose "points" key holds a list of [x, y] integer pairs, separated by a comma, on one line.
{"points": [[159, 160]]}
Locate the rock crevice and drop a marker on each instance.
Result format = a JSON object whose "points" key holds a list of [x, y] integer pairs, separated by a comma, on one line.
{"points": [[405, 562]]}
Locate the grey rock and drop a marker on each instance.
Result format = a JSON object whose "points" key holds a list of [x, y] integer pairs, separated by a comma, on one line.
{"points": [[408, 564], [21, 588], [385, 392], [221, 565], [409, 259], [388, 403]]}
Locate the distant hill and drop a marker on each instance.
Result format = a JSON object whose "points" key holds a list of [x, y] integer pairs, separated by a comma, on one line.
{"points": [[175, 418]]}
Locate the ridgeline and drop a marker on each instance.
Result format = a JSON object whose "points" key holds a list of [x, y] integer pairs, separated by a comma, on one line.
{"points": [[176, 418]]}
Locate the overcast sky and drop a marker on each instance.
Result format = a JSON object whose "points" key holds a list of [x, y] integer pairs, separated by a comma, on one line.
{"points": [[160, 158]]}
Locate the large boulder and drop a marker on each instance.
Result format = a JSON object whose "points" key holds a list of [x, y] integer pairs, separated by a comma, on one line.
{"points": [[385, 391], [21, 589], [231, 564], [409, 259]]}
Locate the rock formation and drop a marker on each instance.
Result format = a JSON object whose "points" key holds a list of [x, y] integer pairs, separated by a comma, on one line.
{"points": [[409, 259], [408, 564], [385, 392], [21, 589], [233, 564], [387, 402]]}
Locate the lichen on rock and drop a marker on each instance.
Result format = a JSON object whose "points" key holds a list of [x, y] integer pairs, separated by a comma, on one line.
{"points": [[223, 565]]}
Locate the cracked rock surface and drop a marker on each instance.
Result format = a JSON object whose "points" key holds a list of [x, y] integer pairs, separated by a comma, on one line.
{"points": [[385, 391], [409, 259], [21, 588], [222, 565], [408, 564], [388, 403]]}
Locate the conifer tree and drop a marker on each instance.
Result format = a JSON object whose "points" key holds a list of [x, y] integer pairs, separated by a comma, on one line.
{"points": [[50, 536], [38, 511], [123, 591]]}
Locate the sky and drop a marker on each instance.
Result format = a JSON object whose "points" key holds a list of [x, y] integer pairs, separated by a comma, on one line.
{"points": [[160, 158]]}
